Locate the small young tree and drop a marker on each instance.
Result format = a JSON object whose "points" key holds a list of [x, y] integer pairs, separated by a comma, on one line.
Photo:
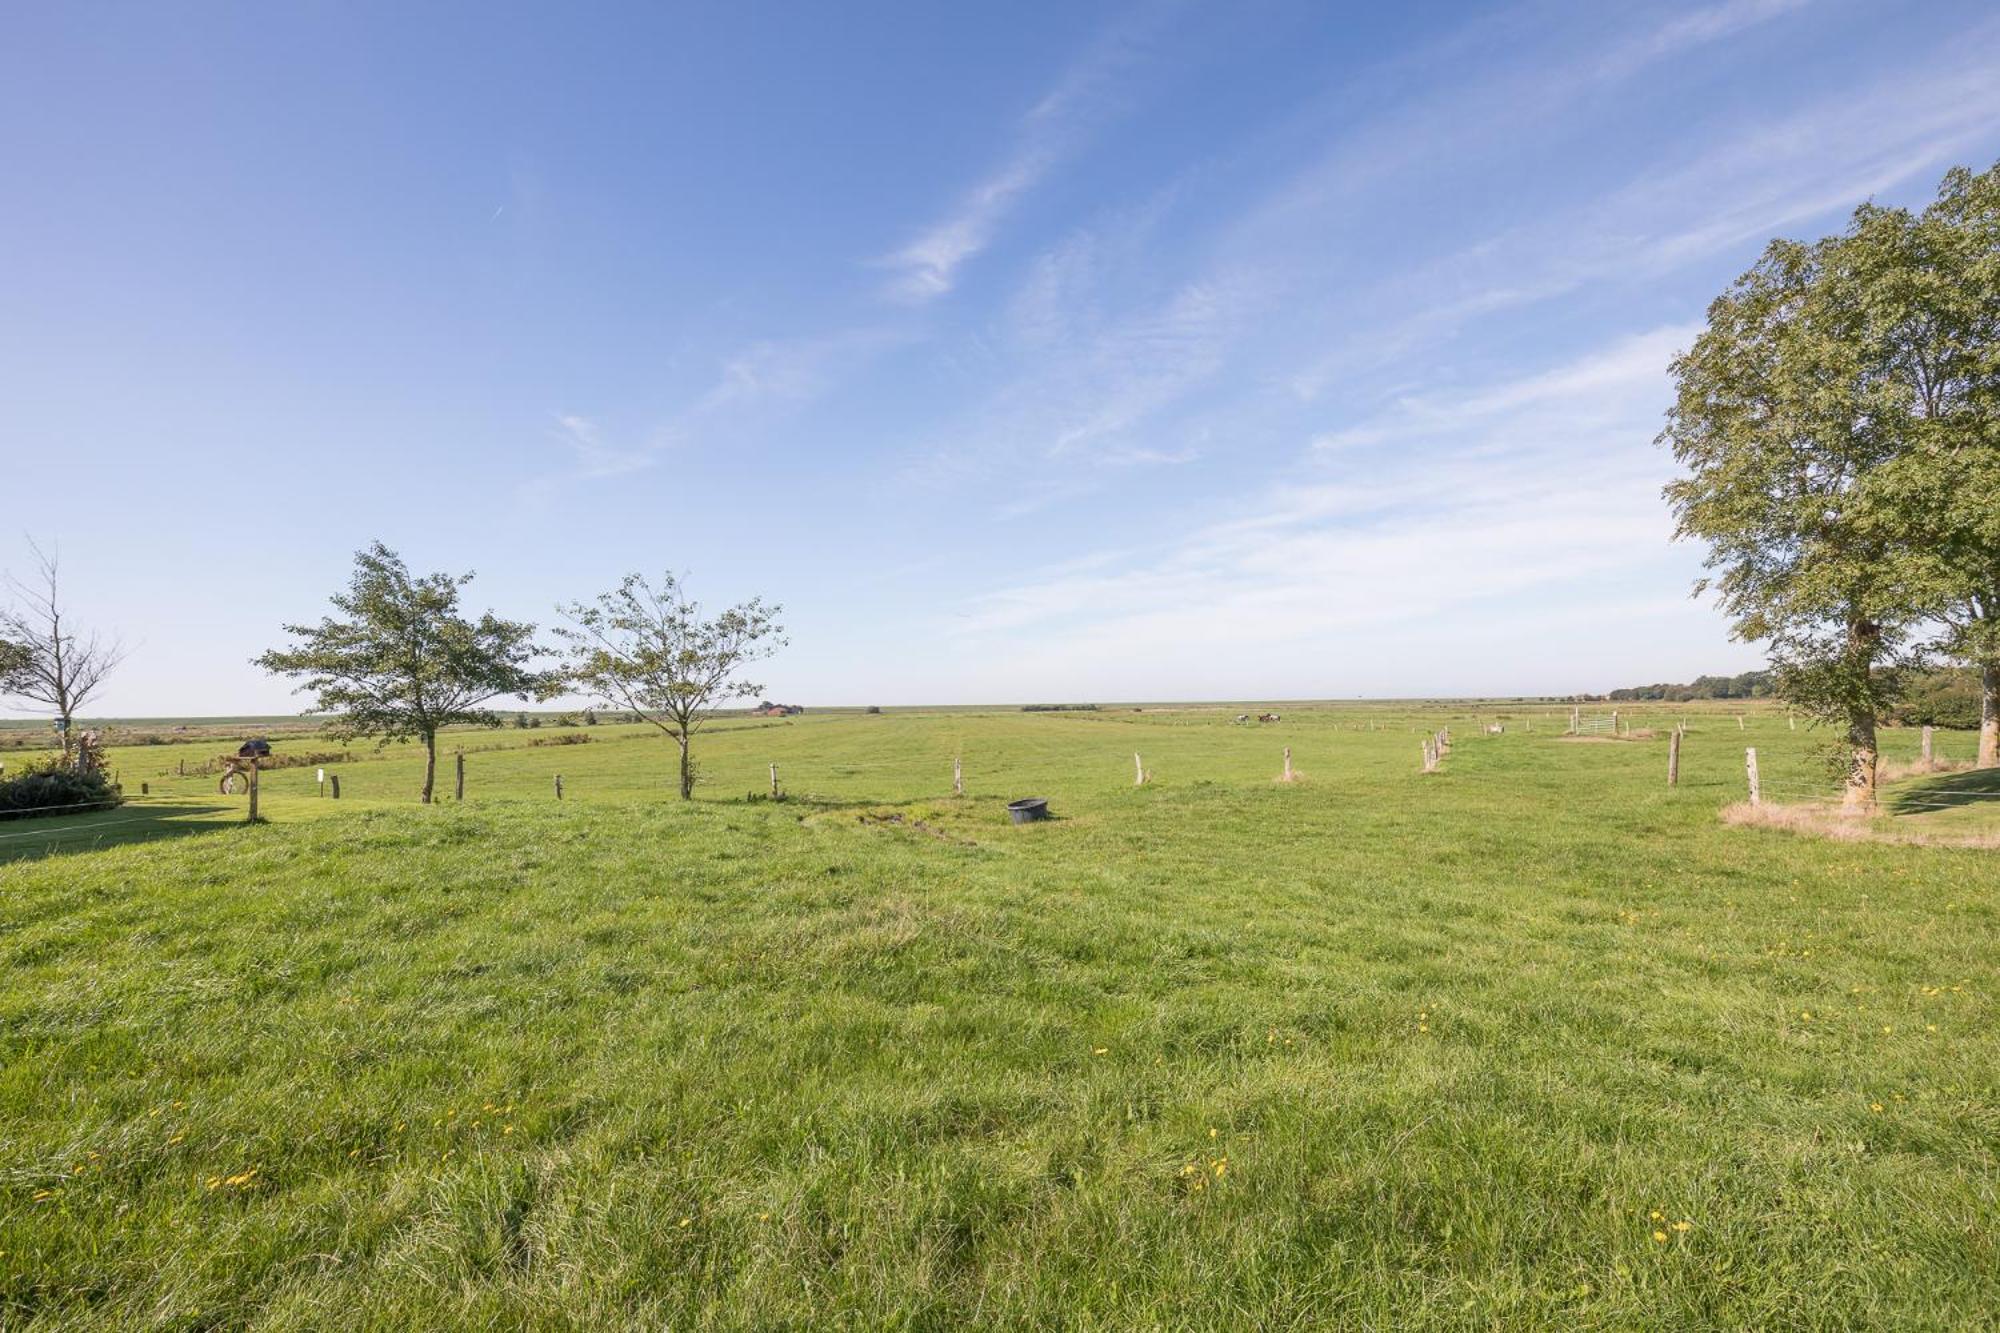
{"points": [[44, 657], [401, 662], [649, 650], [1776, 422]]}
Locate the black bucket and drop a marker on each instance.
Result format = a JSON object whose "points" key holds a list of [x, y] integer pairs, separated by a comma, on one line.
{"points": [[1028, 810]]}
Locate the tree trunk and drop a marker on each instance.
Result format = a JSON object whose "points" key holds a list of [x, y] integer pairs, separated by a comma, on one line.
{"points": [[430, 764], [1860, 793], [1989, 713], [687, 769]]}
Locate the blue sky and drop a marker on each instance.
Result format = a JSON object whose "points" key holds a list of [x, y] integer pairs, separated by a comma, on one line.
{"points": [[1023, 352]]}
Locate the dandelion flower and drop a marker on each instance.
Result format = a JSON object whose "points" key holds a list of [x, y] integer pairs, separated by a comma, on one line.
{"points": [[1660, 1236], [1657, 1215], [1683, 1226], [1099, 1050]]}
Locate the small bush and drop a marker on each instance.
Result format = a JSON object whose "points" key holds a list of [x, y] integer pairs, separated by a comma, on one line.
{"points": [[37, 787], [1946, 698], [578, 739]]}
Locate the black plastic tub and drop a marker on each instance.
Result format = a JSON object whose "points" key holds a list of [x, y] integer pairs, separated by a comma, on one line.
{"points": [[1027, 811]]}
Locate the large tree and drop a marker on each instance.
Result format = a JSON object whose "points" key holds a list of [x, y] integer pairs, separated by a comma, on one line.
{"points": [[1779, 421], [45, 657], [650, 650], [1933, 335], [400, 662]]}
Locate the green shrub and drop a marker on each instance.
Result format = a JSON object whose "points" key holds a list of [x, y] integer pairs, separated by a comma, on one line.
{"points": [[51, 787], [1944, 698]]}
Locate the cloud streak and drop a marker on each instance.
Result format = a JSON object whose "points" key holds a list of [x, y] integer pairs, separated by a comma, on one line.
{"points": [[1051, 131]]}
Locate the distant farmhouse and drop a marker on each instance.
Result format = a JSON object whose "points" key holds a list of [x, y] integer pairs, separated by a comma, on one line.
{"points": [[766, 709]]}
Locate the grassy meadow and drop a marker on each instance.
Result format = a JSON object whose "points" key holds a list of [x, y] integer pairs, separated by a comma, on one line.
{"points": [[1533, 1041]]}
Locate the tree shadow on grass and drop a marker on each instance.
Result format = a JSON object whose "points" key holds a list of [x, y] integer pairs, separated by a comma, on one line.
{"points": [[27, 839], [1980, 787]]}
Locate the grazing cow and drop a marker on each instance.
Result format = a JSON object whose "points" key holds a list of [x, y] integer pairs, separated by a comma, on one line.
{"points": [[1267, 717]]}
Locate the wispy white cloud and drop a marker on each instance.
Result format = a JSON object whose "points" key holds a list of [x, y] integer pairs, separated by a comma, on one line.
{"points": [[1815, 163], [1086, 392], [1684, 32], [1509, 495], [582, 438], [755, 387], [1049, 133]]}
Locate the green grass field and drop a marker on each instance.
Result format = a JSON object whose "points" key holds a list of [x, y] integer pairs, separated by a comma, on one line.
{"points": [[1530, 1042]]}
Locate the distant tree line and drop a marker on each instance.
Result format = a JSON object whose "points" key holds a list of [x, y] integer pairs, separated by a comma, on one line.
{"points": [[1838, 427], [1748, 685]]}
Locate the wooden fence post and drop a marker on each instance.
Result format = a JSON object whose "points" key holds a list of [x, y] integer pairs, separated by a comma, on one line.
{"points": [[774, 782], [145, 789], [1674, 760], [558, 786], [1138, 770], [1791, 722], [253, 791], [1739, 722], [1575, 720], [957, 776], [459, 785], [1750, 766], [1927, 745], [333, 780], [1288, 763]]}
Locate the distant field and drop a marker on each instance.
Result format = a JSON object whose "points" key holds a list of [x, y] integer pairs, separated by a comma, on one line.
{"points": [[1530, 1042]]}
